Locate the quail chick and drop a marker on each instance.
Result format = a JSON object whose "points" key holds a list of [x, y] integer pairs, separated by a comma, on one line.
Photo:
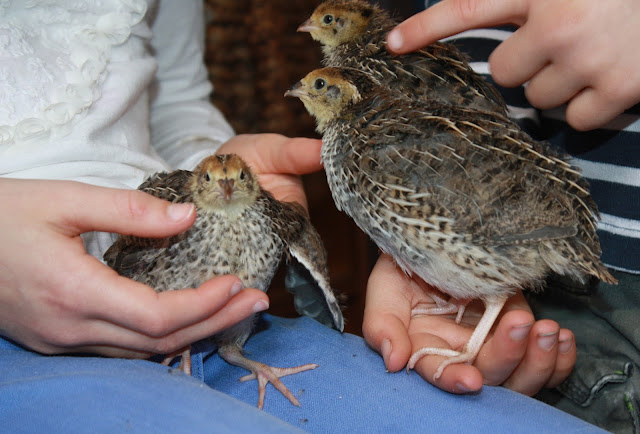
{"points": [[240, 229], [462, 198], [353, 35]]}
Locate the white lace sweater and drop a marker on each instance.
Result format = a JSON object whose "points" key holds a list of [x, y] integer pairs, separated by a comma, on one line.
{"points": [[103, 91]]}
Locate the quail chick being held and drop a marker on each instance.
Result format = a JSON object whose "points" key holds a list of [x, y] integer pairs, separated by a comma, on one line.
{"points": [[353, 35], [463, 199], [240, 229]]}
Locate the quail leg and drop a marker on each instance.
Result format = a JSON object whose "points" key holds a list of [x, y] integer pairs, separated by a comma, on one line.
{"points": [[263, 373], [473, 345], [443, 306], [185, 359]]}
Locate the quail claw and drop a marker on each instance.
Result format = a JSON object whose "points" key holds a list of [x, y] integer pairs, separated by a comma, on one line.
{"points": [[263, 373], [185, 359]]}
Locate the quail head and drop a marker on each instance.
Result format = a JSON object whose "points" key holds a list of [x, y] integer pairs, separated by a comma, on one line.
{"points": [[240, 229], [464, 199], [353, 35]]}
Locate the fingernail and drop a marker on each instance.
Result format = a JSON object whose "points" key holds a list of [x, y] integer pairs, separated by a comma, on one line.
{"points": [[260, 306], [520, 332], [179, 211], [546, 341], [385, 348], [462, 388], [394, 40], [565, 346], [236, 288]]}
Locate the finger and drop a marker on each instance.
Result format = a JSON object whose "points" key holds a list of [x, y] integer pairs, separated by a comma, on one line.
{"points": [[386, 314], [111, 340], [112, 210], [273, 153], [286, 188], [297, 156], [518, 58], [552, 87], [137, 307], [503, 352], [107, 351], [591, 109], [539, 362], [450, 17], [456, 378], [567, 354]]}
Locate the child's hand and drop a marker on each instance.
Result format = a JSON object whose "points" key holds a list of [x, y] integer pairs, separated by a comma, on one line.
{"points": [[583, 53]]}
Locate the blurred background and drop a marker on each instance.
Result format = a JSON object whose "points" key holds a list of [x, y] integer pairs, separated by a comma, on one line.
{"points": [[254, 54]]}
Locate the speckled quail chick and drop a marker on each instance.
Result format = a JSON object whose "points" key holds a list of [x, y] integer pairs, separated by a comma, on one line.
{"points": [[353, 35], [462, 198], [240, 229]]}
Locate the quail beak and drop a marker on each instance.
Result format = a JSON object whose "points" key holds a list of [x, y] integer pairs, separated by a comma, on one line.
{"points": [[226, 185], [307, 26], [297, 90]]}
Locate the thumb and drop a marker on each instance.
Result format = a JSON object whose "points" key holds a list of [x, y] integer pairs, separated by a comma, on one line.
{"points": [[386, 314], [129, 212]]}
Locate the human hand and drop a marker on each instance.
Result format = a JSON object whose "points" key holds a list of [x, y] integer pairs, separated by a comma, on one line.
{"points": [[582, 53], [521, 354], [278, 160], [55, 298]]}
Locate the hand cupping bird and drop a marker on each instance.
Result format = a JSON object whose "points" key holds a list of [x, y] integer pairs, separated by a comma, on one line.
{"points": [[240, 229]]}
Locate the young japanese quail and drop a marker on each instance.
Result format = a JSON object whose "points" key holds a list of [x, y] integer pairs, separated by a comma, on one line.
{"points": [[353, 35], [240, 229], [462, 198]]}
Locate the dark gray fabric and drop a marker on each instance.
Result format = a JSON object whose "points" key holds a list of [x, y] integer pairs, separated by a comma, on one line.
{"points": [[604, 387]]}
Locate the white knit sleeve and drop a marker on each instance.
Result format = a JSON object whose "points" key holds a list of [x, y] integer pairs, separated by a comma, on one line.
{"points": [[185, 126]]}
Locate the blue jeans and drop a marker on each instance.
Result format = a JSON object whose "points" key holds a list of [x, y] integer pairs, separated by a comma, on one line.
{"points": [[349, 392]]}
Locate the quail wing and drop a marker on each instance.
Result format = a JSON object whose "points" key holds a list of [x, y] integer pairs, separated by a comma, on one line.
{"points": [[130, 255], [307, 274], [472, 178]]}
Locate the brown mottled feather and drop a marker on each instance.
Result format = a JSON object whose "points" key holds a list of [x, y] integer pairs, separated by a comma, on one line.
{"points": [[432, 182], [124, 254]]}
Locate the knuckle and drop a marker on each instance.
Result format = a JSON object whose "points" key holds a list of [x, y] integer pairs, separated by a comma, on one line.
{"points": [[615, 88], [156, 326], [165, 346], [370, 328], [54, 339], [466, 10], [41, 345], [580, 119], [131, 204], [536, 98]]}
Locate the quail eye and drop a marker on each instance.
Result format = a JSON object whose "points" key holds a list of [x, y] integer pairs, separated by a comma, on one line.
{"points": [[242, 175], [207, 177], [327, 19], [319, 83]]}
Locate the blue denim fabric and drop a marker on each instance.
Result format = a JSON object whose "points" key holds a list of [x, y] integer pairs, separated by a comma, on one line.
{"points": [[349, 392]]}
